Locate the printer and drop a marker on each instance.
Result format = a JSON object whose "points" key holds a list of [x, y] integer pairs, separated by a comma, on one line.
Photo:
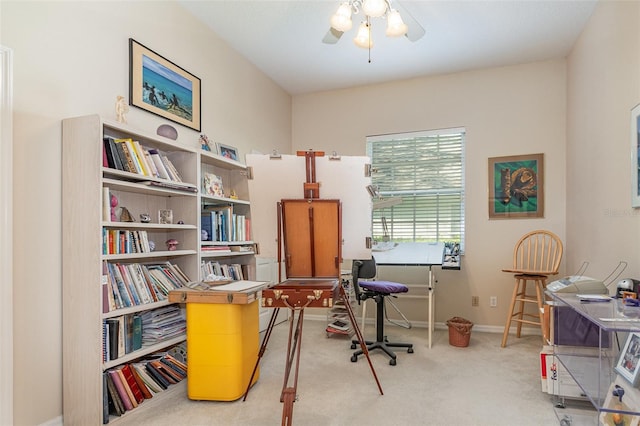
{"points": [[577, 284]]}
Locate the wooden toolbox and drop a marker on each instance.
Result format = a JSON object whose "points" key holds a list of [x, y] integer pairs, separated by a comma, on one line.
{"points": [[301, 293], [237, 292]]}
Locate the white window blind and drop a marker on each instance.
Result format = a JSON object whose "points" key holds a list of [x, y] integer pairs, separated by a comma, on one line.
{"points": [[426, 170]]}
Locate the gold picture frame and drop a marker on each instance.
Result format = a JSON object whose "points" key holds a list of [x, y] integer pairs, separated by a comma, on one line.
{"points": [[161, 87], [516, 186]]}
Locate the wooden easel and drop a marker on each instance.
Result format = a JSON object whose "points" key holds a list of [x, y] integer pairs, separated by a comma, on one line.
{"points": [[298, 294]]}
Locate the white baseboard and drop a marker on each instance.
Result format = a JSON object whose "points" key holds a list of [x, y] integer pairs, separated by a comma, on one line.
{"points": [[442, 326]]}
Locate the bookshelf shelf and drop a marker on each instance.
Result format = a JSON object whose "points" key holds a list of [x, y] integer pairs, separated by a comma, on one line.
{"points": [[87, 187], [138, 225], [152, 255], [134, 309], [146, 350]]}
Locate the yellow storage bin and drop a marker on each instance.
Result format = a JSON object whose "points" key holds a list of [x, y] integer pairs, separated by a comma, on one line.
{"points": [[222, 349]]}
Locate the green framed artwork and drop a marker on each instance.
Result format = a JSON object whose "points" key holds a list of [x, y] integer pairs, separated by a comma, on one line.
{"points": [[516, 187]]}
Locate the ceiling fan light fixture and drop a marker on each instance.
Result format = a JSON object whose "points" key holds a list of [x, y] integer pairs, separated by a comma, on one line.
{"points": [[395, 25], [341, 20], [363, 38], [374, 8]]}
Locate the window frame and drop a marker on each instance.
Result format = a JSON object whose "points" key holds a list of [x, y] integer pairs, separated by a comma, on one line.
{"points": [[443, 196]]}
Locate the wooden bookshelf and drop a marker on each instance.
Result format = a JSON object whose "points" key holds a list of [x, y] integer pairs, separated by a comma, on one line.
{"points": [[234, 177], [83, 222]]}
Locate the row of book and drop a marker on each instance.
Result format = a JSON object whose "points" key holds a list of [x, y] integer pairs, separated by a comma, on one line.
{"points": [[130, 156], [222, 224], [127, 386], [133, 284], [162, 324], [216, 271], [123, 241], [121, 335]]}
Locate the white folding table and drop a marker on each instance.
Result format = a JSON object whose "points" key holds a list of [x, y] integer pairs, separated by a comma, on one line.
{"points": [[415, 254]]}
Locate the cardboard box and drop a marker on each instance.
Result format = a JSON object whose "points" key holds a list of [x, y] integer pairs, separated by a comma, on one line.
{"points": [[557, 379]]}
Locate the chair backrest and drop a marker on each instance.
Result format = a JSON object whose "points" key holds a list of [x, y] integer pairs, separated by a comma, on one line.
{"points": [[365, 269], [538, 251]]}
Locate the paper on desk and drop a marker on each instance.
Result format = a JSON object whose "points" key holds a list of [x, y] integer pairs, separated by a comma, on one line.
{"points": [[241, 286], [594, 297]]}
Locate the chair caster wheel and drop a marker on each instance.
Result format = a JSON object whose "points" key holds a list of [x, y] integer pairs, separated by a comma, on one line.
{"points": [[353, 346], [354, 358], [392, 361], [410, 350]]}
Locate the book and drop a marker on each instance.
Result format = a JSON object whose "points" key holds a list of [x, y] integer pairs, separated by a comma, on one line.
{"points": [[131, 381], [105, 400], [127, 389], [157, 160], [151, 383], [134, 156], [124, 397], [116, 407], [141, 384], [208, 223], [121, 146], [169, 375], [180, 373], [113, 328], [113, 158], [159, 378], [146, 170], [137, 332]]}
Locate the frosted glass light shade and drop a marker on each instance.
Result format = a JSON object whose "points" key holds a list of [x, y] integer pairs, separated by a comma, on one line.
{"points": [[395, 25], [341, 20], [374, 8], [362, 39]]}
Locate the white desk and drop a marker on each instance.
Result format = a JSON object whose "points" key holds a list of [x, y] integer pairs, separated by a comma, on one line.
{"points": [[415, 254]]}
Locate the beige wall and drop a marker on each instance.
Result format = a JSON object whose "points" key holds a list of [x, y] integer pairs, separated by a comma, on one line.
{"points": [[506, 111], [71, 58], [604, 85]]}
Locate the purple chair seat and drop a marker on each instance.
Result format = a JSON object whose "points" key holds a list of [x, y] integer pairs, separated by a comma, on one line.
{"points": [[385, 287]]}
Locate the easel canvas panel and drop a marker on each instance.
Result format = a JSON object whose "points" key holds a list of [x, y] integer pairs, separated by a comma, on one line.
{"points": [[275, 179]]}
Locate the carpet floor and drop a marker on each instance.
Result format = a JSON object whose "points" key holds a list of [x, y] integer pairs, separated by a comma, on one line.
{"points": [[482, 384]]}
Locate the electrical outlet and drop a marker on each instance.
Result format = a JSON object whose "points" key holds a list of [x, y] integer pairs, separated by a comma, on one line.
{"points": [[475, 301], [493, 301]]}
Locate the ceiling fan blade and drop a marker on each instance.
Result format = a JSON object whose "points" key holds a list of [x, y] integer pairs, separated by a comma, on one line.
{"points": [[332, 36], [415, 30]]}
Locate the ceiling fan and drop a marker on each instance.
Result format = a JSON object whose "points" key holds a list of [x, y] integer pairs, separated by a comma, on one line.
{"points": [[396, 13]]}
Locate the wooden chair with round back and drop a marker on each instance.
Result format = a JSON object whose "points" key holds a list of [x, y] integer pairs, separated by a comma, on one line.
{"points": [[536, 256]]}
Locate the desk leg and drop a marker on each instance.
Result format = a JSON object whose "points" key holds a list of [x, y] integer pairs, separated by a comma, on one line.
{"points": [[431, 303]]}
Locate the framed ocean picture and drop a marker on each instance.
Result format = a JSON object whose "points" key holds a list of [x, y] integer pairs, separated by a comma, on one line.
{"points": [[161, 87]]}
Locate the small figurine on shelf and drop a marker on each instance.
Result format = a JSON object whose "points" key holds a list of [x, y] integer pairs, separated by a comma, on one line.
{"points": [[172, 244], [125, 215], [114, 204], [145, 217], [204, 143], [233, 195], [152, 245], [121, 109]]}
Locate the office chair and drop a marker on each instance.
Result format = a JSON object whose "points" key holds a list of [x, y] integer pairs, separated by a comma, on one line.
{"points": [[536, 256], [378, 291]]}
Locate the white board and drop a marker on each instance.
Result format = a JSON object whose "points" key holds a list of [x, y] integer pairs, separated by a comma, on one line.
{"points": [[276, 179]]}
